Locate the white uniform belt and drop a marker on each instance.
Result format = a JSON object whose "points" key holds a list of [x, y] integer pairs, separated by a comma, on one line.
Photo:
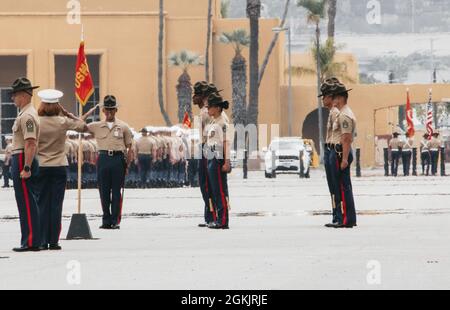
{"points": [[434, 150], [394, 150]]}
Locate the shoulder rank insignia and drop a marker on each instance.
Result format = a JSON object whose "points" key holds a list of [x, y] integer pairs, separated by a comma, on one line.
{"points": [[30, 125]]}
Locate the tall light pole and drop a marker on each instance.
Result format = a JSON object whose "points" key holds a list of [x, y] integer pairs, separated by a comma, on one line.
{"points": [[288, 31]]}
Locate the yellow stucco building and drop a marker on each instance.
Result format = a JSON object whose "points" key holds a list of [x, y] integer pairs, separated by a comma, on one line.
{"points": [[122, 47]]}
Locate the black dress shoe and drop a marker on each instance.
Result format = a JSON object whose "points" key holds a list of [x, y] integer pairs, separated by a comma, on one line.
{"points": [[55, 247], [330, 225], [213, 226], [26, 249], [203, 225], [105, 226], [344, 226], [115, 227], [43, 247]]}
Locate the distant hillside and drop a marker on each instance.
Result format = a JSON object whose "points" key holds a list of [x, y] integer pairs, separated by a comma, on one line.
{"points": [[398, 16]]}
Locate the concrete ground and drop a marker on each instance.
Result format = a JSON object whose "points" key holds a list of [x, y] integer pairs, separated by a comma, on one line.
{"points": [[277, 239]]}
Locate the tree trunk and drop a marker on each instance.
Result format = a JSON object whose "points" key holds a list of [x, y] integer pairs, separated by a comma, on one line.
{"points": [[160, 64], [184, 93], [254, 13], [319, 102], [332, 8], [273, 43], [239, 85], [208, 40]]}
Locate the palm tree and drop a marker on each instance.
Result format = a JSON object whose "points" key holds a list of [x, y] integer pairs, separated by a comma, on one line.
{"points": [[254, 13], [239, 39], [208, 40], [328, 67], [224, 8], [332, 8], [184, 60], [273, 43], [315, 12], [160, 64]]}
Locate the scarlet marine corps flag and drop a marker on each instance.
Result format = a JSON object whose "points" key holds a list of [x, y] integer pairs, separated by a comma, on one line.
{"points": [[187, 121], [409, 116], [84, 87]]}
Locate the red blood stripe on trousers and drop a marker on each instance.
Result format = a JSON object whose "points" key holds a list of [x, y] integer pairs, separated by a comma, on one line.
{"points": [[27, 203], [344, 203], [222, 194]]}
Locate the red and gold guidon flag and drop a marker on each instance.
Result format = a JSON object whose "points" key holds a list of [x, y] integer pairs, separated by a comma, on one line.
{"points": [[84, 86]]}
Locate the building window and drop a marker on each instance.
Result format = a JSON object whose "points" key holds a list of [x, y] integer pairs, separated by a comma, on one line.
{"points": [[8, 114]]}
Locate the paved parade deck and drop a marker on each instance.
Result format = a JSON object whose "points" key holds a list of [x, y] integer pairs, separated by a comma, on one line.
{"points": [[276, 241]]}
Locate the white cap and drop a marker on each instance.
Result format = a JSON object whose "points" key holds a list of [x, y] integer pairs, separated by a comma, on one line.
{"points": [[50, 95]]}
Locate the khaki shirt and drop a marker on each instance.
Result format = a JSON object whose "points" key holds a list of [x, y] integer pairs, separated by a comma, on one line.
{"points": [[118, 138], [434, 144], [395, 144], [217, 132], [407, 145], [345, 123], [424, 145], [68, 149], [52, 140], [334, 112], [206, 120], [25, 127], [8, 154], [144, 146]]}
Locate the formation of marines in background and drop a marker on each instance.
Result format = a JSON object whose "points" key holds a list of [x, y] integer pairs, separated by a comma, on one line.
{"points": [[161, 157], [430, 148]]}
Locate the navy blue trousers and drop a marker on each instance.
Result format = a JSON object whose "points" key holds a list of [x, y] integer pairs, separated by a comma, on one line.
{"points": [[209, 213], [342, 184], [329, 176], [425, 159], [219, 189], [51, 190], [6, 175], [111, 178], [144, 168], [434, 161], [26, 198], [394, 162], [406, 160]]}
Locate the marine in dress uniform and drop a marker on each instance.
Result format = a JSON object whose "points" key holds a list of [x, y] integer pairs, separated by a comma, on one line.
{"points": [[425, 157], [341, 158], [327, 99], [407, 147], [434, 146], [395, 146], [144, 156], [7, 162], [202, 90], [53, 164], [24, 166], [218, 155], [114, 139]]}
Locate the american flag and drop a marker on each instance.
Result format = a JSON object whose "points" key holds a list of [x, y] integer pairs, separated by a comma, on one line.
{"points": [[429, 123]]}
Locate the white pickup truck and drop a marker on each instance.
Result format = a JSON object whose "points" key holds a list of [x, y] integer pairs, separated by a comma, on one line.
{"points": [[288, 155]]}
